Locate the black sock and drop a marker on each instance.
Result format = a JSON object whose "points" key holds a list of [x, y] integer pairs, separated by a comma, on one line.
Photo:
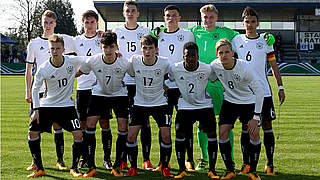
{"points": [[212, 152], [91, 141], [76, 152], [189, 144], [34, 146], [255, 148], [106, 138], [59, 141], [225, 150], [120, 147], [269, 145], [132, 150], [181, 152], [245, 141], [145, 137], [165, 151], [84, 148]]}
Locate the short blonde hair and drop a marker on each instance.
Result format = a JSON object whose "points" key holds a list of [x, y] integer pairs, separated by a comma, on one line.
{"points": [[223, 42], [50, 14], [56, 39], [209, 8]]}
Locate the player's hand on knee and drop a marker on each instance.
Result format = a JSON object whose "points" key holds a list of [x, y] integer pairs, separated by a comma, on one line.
{"points": [[253, 126], [34, 116]]}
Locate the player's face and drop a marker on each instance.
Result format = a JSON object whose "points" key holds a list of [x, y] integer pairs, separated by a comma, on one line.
{"points": [[171, 17], [209, 19], [90, 25], [250, 23], [148, 51], [130, 13], [225, 54], [48, 24], [191, 57], [56, 49], [109, 50]]}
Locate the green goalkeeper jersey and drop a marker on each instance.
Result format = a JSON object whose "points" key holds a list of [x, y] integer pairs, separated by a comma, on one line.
{"points": [[206, 40]]}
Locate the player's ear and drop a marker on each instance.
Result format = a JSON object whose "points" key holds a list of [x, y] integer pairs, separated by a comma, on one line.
{"points": [[138, 14], [232, 51]]}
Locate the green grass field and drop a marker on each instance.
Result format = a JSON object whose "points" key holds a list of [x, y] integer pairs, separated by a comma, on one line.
{"points": [[297, 153]]}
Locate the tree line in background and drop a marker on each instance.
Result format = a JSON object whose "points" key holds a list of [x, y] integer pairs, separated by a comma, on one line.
{"points": [[28, 15]]}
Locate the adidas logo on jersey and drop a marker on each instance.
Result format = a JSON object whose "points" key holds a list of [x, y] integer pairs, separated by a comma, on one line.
{"points": [[99, 70], [81, 44], [41, 48], [52, 77], [220, 75], [122, 37], [181, 78], [138, 71], [241, 46], [162, 40]]}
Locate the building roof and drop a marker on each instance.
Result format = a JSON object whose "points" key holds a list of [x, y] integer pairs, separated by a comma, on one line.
{"points": [[229, 10]]}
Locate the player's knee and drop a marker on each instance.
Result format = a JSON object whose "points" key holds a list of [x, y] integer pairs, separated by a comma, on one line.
{"points": [[212, 134], [104, 123], [266, 125], [122, 124], [244, 127], [166, 136], [255, 137], [77, 135], [92, 121]]}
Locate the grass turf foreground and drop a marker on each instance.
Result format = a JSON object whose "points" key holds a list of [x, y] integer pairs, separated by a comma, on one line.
{"points": [[296, 155]]}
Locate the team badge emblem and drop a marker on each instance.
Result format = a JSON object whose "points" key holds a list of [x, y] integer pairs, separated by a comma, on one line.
{"points": [[69, 69], [236, 77], [97, 41], [117, 70], [201, 76], [215, 36], [139, 35], [157, 72], [180, 38], [259, 45]]}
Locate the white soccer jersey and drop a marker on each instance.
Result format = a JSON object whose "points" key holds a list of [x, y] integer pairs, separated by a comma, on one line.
{"points": [[38, 51], [192, 85], [85, 46], [109, 76], [240, 84], [129, 43], [171, 46], [255, 52], [149, 81], [59, 83]]}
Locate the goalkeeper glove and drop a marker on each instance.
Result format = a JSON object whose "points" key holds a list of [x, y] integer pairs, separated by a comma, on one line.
{"points": [[157, 31], [269, 38]]}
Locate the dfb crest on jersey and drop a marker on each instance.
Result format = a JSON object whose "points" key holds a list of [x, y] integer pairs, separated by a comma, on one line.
{"points": [[97, 41], [215, 36], [117, 70], [201, 76], [259, 45], [180, 38], [236, 77], [139, 35], [157, 72], [69, 69]]}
